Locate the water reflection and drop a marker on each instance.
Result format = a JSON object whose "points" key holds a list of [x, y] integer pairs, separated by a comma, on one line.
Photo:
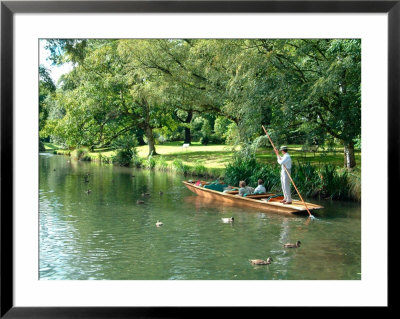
{"points": [[106, 235]]}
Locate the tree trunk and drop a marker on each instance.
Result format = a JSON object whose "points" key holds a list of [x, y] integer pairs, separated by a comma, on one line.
{"points": [[188, 137], [150, 141], [349, 158]]}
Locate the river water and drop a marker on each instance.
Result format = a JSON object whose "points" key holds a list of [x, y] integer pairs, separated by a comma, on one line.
{"points": [[106, 234]]}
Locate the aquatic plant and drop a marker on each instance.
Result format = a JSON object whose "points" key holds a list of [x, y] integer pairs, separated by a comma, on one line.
{"points": [[180, 167], [161, 164]]}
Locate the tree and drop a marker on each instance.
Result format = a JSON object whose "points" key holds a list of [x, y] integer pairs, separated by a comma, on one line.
{"points": [[318, 82], [46, 89]]}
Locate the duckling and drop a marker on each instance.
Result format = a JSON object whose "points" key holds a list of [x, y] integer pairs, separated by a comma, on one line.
{"points": [[261, 262], [88, 191], [140, 202], [297, 244], [158, 224], [161, 192], [145, 194], [228, 220]]}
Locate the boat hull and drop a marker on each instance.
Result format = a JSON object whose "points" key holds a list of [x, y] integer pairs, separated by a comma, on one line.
{"points": [[297, 207]]}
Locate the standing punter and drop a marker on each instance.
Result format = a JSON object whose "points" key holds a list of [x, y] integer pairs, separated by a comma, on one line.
{"points": [[285, 180]]}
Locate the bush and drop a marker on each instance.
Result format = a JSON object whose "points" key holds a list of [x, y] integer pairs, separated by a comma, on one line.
{"points": [[161, 163], [137, 161], [150, 162], [241, 169], [311, 181], [271, 176], [80, 153], [334, 184], [355, 187], [123, 157], [205, 140], [179, 167], [106, 159], [307, 179], [199, 169]]}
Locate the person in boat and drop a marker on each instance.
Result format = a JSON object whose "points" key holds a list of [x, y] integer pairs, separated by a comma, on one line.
{"points": [[260, 189], [286, 161], [245, 190]]}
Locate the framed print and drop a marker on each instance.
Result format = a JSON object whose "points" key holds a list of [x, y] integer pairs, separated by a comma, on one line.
{"points": [[142, 96]]}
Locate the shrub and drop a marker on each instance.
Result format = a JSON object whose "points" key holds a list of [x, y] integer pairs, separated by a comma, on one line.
{"points": [[161, 163], [333, 183], [80, 153], [123, 157], [199, 169], [179, 167], [137, 161], [270, 174], [150, 162], [355, 187], [242, 168], [106, 159], [205, 140], [307, 179]]}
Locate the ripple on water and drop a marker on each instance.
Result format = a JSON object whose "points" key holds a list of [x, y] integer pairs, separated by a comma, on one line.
{"points": [[106, 235]]}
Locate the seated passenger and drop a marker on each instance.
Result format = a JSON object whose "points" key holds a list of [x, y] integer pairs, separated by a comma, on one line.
{"points": [[245, 190], [260, 189]]}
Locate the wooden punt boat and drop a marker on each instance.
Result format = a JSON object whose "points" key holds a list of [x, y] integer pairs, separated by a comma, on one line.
{"points": [[265, 202]]}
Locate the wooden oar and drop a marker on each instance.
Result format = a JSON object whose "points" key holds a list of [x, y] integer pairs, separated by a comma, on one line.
{"points": [[287, 172]]}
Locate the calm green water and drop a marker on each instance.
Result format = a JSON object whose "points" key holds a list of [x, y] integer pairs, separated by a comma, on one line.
{"points": [[106, 235]]}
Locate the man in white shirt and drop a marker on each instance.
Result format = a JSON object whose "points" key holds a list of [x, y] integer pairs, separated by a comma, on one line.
{"points": [[286, 161], [260, 189]]}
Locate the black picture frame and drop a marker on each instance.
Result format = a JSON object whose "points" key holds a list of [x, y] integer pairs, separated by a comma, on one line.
{"points": [[9, 8]]}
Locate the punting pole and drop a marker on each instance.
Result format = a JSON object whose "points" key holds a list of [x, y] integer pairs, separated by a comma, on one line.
{"points": [[287, 172]]}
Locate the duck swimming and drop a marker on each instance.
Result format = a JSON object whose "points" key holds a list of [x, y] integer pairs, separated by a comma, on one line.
{"points": [[227, 220], [88, 191], [139, 202], [297, 244], [158, 224], [260, 261]]}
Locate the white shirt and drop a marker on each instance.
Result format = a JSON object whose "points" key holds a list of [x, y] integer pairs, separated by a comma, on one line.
{"points": [[285, 160], [260, 189]]}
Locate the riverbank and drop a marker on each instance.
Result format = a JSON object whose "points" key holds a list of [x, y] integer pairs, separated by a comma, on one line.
{"points": [[317, 174]]}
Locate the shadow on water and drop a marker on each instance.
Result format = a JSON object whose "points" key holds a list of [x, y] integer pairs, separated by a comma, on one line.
{"points": [[106, 234]]}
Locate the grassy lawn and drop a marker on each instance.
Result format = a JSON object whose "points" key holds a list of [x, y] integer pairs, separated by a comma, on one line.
{"points": [[218, 156], [211, 156]]}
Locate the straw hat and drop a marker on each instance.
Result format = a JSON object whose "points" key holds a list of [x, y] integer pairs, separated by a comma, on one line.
{"points": [[283, 148]]}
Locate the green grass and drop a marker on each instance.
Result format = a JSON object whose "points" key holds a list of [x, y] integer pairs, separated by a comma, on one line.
{"points": [[214, 158]]}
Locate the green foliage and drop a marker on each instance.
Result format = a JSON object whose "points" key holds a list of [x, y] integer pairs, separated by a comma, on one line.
{"points": [[150, 162], [123, 157], [305, 90], [307, 179], [327, 181], [137, 161], [161, 164], [242, 168], [270, 174], [80, 153], [334, 184], [199, 169], [180, 167]]}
